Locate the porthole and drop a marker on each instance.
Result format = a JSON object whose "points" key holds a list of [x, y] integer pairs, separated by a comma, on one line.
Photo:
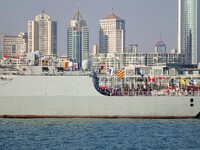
{"points": [[191, 100], [192, 105]]}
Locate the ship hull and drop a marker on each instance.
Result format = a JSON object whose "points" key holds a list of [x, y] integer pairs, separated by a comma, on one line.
{"points": [[98, 107], [76, 97]]}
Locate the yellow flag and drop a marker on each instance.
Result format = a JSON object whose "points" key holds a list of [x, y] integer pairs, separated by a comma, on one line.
{"points": [[183, 81]]}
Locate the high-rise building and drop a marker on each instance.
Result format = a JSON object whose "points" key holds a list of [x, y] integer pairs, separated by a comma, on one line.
{"points": [[189, 30], [42, 35], [14, 45], [112, 34], [160, 47], [78, 39]]}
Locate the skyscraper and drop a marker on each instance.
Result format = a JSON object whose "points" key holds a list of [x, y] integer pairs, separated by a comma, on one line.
{"points": [[160, 47], [189, 30], [78, 39], [42, 35], [112, 34]]}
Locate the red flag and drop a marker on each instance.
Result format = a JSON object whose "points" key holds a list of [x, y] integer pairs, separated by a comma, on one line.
{"points": [[151, 79], [161, 78], [101, 67], [5, 57]]}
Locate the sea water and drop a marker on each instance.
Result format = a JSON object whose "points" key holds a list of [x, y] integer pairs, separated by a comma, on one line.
{"points": [[111, 134]]}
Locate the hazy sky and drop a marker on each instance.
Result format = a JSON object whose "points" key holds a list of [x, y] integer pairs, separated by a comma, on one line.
{"points": [[145, 20]]}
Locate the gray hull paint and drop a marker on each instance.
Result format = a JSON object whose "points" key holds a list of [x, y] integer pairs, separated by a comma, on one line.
{"points": [[75, 96]]}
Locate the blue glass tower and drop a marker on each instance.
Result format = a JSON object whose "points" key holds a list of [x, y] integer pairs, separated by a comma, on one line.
{"points": [[78, 39], [160, 47], [188, 30]]}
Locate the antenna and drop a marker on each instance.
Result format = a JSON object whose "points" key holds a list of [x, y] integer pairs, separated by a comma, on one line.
{"points": [[160, 37], [78, 5], [43, 11], [112, 9], [78, 10], [78, 16]]}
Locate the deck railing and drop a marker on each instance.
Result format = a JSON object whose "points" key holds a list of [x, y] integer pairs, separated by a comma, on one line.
{"points": [[154, 93]]}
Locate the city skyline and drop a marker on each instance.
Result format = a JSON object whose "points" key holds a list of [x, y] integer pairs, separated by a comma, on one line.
{"points": [[142, 27]]}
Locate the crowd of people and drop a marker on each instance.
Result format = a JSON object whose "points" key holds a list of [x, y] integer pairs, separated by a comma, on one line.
{"points": [[170, 91]]}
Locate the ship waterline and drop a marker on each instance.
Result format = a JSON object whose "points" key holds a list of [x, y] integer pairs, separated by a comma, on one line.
{"points": [[76, 97]]}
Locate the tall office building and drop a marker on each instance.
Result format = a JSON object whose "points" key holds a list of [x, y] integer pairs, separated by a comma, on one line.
{"points": [[160, 47], [189, 30], [78, 39], [42, 35], [14, 45], [112, 34]]}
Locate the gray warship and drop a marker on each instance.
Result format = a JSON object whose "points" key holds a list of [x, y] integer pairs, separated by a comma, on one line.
{"points": [[49, 92]]}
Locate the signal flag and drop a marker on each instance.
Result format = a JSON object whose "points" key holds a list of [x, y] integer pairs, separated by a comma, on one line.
{"points": [[120, 74]]}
